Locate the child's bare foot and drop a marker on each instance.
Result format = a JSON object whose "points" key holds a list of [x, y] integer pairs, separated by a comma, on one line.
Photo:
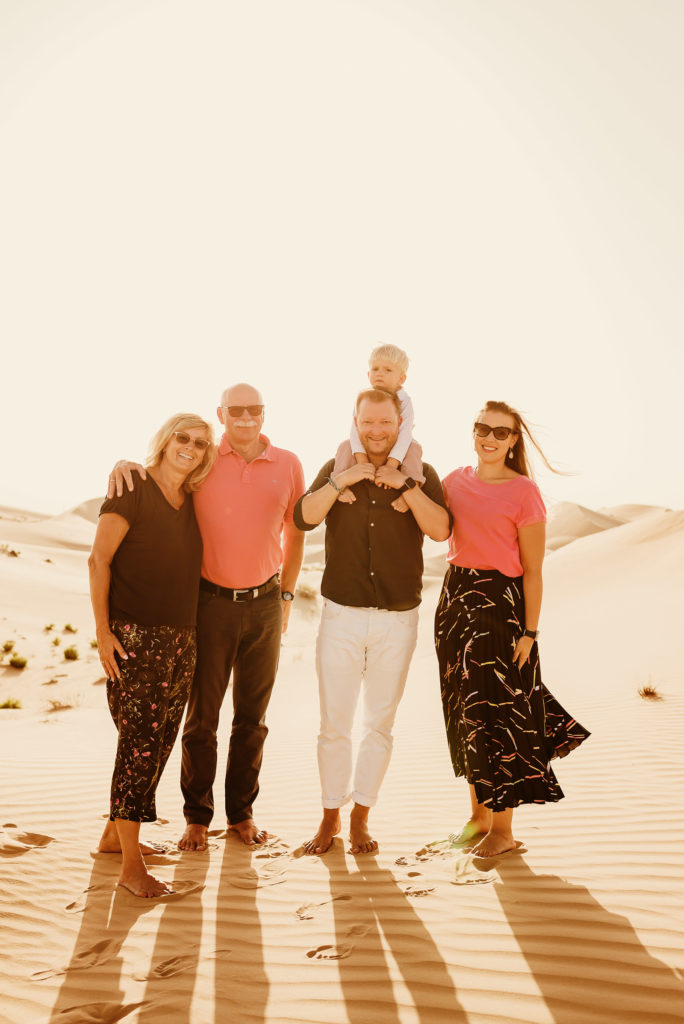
{"points": [[194, 838], [399, 504], [347, 497], [142, 883], [327, 830]]}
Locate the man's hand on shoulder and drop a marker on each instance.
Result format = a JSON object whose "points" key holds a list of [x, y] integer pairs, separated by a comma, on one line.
{"points": [[123, 472]]}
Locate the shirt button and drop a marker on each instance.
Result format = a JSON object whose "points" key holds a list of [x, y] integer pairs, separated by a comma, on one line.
{"points": [[372, 524], [372, 574], [373, 501]]}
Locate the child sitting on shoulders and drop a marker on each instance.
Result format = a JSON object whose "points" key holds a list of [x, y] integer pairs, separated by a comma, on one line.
{"points": [[387, 368]]}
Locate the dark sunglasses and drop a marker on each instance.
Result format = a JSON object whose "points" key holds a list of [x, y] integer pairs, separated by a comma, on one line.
{"points": [[183, 438], [237, 410], [500, 433]]}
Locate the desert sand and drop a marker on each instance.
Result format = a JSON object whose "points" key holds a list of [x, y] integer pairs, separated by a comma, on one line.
{"points": [[585, 925]]}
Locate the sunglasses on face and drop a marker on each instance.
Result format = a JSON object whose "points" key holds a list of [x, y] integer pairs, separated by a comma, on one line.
{"points": [[500, 433], [200, 443], [237, 410]]}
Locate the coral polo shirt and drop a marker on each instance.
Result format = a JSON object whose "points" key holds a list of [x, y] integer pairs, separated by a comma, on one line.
{"points": [[241, 508]]}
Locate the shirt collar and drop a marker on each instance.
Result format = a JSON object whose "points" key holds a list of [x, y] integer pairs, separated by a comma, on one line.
{"points": [[226, 448]]}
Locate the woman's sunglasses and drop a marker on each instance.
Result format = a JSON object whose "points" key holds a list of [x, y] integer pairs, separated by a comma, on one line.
{"points": [[199, 442], [500, 433]]}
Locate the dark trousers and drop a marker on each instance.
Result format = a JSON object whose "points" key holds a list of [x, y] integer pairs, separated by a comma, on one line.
{"points": [[242, 638], [147, 706]]}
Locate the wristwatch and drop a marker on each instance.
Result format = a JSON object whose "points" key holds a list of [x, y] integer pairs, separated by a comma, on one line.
{"points": [[532, 633], [409, 484], [287, 595]]}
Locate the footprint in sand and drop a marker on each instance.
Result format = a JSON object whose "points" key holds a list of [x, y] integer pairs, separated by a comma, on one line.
{"points": [[177, 964], [81, 902], [272, 873], [418, 890], [467, 872], [96, 1013], [273, 848], [339, 951], [102, 951], [307, 910], [15, 842]]}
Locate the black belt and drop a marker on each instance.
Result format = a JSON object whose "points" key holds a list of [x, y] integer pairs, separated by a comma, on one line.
{"points": [[243, 593]]}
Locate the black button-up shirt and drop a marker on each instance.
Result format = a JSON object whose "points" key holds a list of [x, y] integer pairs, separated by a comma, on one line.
{"points": [[373, 554]]}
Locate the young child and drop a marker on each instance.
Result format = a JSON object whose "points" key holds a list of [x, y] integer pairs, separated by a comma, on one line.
{"points": [[387, 368]]}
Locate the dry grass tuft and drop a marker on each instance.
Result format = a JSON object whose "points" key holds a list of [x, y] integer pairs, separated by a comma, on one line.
{"points": [[58, 705], [649, 693], [11, 702], [71, 653]]}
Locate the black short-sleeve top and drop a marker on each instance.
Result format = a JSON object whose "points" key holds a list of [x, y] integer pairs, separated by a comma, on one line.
{"points": [[156, 568]]}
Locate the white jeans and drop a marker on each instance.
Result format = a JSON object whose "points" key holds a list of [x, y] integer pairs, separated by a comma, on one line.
{"points": [[356, 644]]}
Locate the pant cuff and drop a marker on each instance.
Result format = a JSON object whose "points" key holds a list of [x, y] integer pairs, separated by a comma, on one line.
{"points": [[364, 799], [331, 803]]}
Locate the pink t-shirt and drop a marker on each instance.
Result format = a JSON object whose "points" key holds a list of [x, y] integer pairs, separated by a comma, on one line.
{"points": [[487, 517], [241, 508]]}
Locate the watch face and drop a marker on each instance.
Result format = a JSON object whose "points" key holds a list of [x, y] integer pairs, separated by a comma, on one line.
{"points": [[409, 483], [287, 595]]}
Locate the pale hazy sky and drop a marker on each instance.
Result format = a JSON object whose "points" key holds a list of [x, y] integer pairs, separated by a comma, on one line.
{"points": [[196, 193]]}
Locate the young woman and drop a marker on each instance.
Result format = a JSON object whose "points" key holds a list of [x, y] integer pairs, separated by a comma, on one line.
{"points": [[144, 585], [503, 726]]}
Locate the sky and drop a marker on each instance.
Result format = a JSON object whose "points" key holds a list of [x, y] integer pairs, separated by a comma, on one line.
{"points": [[198, 193]]}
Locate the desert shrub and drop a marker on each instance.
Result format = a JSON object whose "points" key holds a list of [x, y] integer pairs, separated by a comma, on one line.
{"points": [[16, 661], [8, 646], [5, 549], [56, 641], [58, 705], [649, 692], [71, 654], [49, 626], [93, 644], [11, 702], [70, 629]]}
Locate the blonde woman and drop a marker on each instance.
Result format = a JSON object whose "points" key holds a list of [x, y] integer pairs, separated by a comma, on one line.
{"points": [[144, 585], [503, 726]]}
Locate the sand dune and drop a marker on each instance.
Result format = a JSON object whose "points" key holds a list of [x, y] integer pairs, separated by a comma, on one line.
{"points": [[584, 925]]}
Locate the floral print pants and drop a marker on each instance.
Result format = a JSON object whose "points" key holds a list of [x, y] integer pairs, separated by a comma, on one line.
{"points": [[147, 706]]}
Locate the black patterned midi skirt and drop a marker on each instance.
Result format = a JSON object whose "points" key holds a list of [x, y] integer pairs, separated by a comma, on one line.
{"points": [[503, 726]]}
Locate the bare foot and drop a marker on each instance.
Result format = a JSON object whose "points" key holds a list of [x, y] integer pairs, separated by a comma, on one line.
{"points": [[399, 504], [347, 497], [494, 844], [473, 832], [109, 842], [360, 838], [194, 838], [142, 883], [249, 833], [327, 830]]}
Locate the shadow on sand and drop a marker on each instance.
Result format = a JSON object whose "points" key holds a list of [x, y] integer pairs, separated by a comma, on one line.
{"points": [[588, 962], [373, 913]]}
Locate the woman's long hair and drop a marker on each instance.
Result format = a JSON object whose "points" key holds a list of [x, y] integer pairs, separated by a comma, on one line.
{"points": [[183, 421], [520, 462]]}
